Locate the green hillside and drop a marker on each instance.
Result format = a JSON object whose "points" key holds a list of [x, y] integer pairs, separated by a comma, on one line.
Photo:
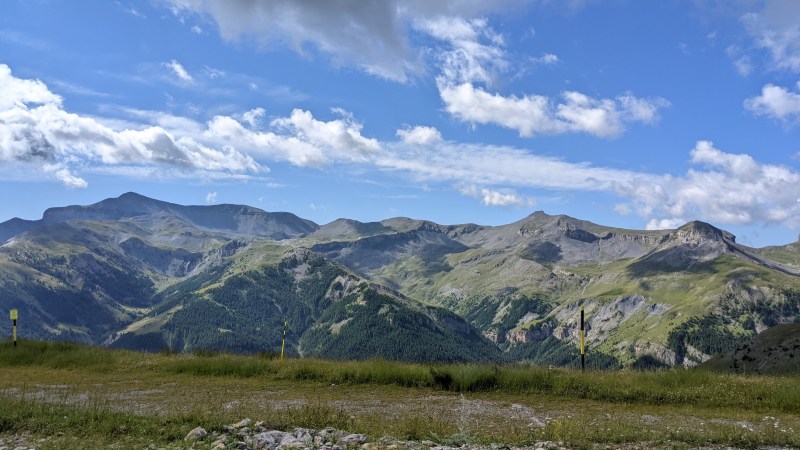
{"points": [[139, 273]]}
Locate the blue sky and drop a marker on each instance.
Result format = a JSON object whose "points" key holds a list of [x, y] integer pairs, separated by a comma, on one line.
{"points": [[626, 113]]}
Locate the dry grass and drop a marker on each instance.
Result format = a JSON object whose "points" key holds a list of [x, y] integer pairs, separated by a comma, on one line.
{"points": [[76, 396]]}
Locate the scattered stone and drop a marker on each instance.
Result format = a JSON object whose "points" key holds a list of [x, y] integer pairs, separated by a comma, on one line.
{"points": [[196, 434], [257, 438], [263, 441], [355, 439], [242, 423]]}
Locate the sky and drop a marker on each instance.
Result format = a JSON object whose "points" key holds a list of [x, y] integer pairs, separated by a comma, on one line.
{"points": [[627, 113]]}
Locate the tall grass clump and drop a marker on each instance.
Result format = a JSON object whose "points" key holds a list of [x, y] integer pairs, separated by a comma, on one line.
{"points": [[220, 365], [57, 355]]}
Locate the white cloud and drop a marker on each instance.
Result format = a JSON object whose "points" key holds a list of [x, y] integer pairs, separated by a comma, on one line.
{"points": [[254, 116], [776, 102], [623, 209], [532, 115], [546, 59], [211, 197], [196, 29], [489, 165], [475, 53], [727, 188], [37, 132], [776, 28], [299, 139], [369, 35], [664, 224], [341, 135], [16, 92], [419, 135], [35, 129], [474, 58], [492, 197], [179, 71], [70, 180], [210, 72], [496, 198]]}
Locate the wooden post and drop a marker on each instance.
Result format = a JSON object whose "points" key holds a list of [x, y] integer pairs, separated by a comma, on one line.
{"points": [[583, 361], [283, 341], [14, 316]]}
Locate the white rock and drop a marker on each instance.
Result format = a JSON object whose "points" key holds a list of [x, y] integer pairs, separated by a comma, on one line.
{"points": [[197, 433], [242, 423]]}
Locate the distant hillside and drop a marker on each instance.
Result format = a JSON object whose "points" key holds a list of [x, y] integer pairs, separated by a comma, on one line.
{"points": [[141, 273], [230, 219], [774, 351], [330, 312]]}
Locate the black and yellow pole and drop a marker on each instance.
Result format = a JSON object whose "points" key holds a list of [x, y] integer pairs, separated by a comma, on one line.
{"points": [[283, 341], [14, 316], [583, 353]]}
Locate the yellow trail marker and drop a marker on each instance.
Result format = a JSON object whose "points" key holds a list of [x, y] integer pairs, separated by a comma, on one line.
{"points": [[14, 316], [283, 341]]}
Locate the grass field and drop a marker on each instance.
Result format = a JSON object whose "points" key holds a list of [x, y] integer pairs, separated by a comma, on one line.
{"points": [[69, 396]]}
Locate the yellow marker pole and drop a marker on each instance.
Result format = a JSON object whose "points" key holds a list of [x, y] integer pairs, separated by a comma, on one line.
{"points": [[583, 361], [283, 341], [14, 316]]}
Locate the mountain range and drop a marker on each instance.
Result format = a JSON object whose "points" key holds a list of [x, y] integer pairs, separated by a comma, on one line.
{"points": [[136, 272]]}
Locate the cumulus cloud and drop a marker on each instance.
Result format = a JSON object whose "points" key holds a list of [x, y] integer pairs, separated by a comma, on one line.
{"points": [[16, 92], [70, 180], [776, 102], [776, 29], [253, 117], [532, 115], [496, 198], [492, 197], [37, 132], [722, 187], [34, 127], [475, 56], [179, 71], [419, 135], [664, 224], [211, 197], [370, 35]]}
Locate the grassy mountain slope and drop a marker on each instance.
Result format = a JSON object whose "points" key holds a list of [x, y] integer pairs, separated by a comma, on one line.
{"points": [[644, 292], [141, 273], [774, 351], [330, 311]]}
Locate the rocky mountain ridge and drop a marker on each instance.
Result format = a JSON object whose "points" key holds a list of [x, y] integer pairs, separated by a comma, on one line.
{"points": [[113, 271]]}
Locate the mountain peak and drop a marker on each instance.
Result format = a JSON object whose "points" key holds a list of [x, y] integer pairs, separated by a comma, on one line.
{"points": [[133, 195], [704, 230]]}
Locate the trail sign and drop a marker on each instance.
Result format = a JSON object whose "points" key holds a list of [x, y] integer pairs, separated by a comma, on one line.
{"points": [[14, 315]]}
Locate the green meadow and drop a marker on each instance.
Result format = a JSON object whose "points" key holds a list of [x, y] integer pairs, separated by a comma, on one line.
{"points": [[59, 395]]}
